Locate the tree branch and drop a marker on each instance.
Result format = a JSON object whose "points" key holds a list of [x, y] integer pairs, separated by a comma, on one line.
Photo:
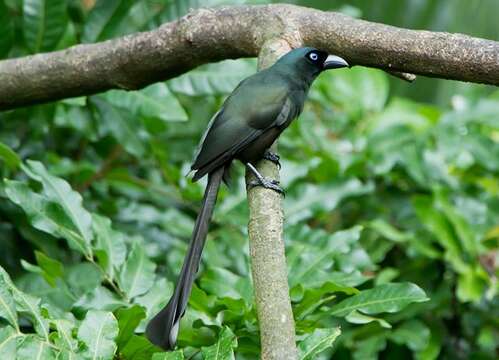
{"points": [[208, 35], [268, 260]]}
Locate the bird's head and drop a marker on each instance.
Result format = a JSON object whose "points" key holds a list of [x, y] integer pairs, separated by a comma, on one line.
{"points": [[311, 62]]}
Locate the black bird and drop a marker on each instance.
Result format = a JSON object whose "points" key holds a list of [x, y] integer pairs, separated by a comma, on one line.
{"points": [[250, 120]]}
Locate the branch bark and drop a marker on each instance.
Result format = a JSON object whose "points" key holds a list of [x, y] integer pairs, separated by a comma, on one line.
{"points": [[208, 35], [268, 260]]}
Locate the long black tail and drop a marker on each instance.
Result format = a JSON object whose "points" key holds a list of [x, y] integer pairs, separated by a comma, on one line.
{"points": [[162, 330]]}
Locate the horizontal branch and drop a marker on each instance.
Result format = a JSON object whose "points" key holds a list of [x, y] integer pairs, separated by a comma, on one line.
{"points": [[208, 35]]}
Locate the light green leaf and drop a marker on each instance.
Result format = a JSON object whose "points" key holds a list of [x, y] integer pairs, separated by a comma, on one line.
{"points": [[413, 333], [137, 273], [27, 305], [32, 347], [223, 349], [356, 317], [155, 101], [384, 298], [46, 215], [7, 305], [60, 192], [325, 197], [64, 333], [9, 157], [8, 342], [110, 245], [44, 23], [174, 355], [120, 124], [100, 298], [154, 299], [317, 342], [98, 331], [213, 79]]}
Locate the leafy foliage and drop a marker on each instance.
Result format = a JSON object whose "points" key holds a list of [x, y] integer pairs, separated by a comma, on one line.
{"points": [[391, 213]]}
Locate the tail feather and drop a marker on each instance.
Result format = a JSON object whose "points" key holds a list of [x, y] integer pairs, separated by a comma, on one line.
{"points": [[162, 330]]}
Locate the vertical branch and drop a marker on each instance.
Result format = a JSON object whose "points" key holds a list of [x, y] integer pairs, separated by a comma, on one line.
{"points": [[268, 261]]}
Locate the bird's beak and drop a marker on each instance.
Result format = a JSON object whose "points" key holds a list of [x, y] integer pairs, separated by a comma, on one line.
{"points": [[334, 62]]}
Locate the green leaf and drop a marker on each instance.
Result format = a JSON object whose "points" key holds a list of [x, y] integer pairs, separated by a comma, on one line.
{"points": [[64, 334], [137, 273], [98, 331], [120, 124], [138, 348], [412, 333], [109, 244], [324, 197], [44, 23], [213, 79], [317, 342], [128, 320], [100, 298], [174, 355], [52, 269], [154, 299], [7, 306], [9, 157], [7, 31], [356, 317], [223, 349], [59, 191], [104, 18], [32, 348], [155, 101], [224, 283], [8, 342], [384, 298]]}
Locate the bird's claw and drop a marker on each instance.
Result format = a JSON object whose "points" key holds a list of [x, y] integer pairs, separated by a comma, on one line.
{"points": [[271, 156], [268, 184]]}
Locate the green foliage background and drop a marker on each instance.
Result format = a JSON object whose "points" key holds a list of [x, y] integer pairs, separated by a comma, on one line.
{"points": [[391, 214]]}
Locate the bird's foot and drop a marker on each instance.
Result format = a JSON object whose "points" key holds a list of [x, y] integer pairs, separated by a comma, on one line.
{"points": [[267, 184], [271, 156]]}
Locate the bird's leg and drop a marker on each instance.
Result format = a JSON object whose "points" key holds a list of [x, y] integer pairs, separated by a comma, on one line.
{"points": [[262, 181], [272, 156]]}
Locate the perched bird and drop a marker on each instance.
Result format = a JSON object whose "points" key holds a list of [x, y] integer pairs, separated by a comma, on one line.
{"points": [[250, 120]]}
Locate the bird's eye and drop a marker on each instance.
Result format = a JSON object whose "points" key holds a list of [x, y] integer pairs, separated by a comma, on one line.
{"points": [[313, 56]]}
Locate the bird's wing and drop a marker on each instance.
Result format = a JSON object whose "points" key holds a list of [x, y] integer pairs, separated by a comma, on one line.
{"points": [[246, 115]]}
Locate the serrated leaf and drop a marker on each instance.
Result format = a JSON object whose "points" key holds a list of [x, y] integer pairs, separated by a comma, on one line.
{"points": [[317, 342], [155, 101], [98, 331], [128, 320], [384, 298], [137, 273], [7, 155], [110, 242], [120, 124], [44, 23], [223, 349], [104, 18], [64, 333]]}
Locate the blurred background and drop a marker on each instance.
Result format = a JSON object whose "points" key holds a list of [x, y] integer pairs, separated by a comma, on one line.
{"points": [[392, 195]]}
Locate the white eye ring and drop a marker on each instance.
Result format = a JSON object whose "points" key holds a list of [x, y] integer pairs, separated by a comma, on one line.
{"points": [[313, 56]]}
